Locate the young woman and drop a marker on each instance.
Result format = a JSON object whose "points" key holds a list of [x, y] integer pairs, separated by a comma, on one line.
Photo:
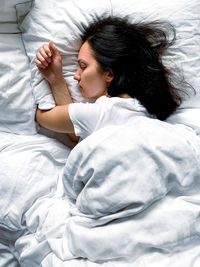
{"points": [[120, 65]]}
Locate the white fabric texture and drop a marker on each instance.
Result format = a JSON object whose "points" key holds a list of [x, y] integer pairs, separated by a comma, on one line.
{"points": [[64, 22], [187, 116], [29, 169], [130, 198], [8, 16], [16, 99], [128, 195], [8, 11], [89, 117], [6, 257], [30, 166]]}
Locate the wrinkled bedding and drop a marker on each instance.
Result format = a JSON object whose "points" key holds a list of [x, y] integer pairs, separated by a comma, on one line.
{"points": [[124, 197], [138, 206], [29, 170]]}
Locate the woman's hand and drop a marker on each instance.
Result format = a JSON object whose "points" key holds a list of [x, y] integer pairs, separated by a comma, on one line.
{"points": [[49, 62]]}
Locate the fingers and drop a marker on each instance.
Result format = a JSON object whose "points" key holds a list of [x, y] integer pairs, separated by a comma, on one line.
{"points": [[45, 53], [43, 56], [53, 47], [39, 64], [47, 50]]}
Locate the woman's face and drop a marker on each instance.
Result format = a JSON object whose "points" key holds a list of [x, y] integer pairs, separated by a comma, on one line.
{"points": [[92, 80]]}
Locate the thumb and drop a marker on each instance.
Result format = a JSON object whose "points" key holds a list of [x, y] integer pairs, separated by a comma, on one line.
{"points": [[53, 48]]}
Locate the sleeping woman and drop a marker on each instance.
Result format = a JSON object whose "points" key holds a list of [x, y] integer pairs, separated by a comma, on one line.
{"points": [[120, 66]]}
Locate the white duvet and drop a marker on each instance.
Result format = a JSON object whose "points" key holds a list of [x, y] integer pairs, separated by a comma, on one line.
{"points": [[129, 197], [29, 169]]}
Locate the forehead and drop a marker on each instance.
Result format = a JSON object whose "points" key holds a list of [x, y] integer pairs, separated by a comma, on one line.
{"points": [[85, 52]]}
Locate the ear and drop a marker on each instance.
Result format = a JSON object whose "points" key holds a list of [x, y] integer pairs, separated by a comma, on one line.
{"points": [[109, 75]]}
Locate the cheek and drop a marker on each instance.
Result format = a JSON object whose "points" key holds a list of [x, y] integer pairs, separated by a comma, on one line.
{"points": [[96, 78], [89, 79], [93, 83]]}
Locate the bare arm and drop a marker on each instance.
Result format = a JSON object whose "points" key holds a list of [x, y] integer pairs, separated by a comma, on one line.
{"points": [[56, 119], [49, 62]]}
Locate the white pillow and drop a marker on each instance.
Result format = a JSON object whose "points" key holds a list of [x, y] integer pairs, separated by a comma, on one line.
{"points": [[8, 18], [63, 21], [16, 98]]}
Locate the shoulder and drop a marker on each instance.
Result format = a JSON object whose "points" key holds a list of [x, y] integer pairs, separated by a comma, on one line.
{"points": [[101, 102], [86, 116], [127, 103]]}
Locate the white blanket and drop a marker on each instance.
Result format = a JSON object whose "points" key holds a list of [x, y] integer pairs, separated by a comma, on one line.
{"points": [[29, 169], [130, 198]]}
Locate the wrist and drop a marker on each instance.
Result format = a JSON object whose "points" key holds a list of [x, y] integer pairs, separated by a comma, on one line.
{"points": [[57, 82], [60, 92]]}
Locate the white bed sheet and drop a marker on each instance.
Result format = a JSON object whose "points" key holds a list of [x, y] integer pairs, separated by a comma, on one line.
{"points": [[29, 169], [30, 166], [7, 259], [16, 99]]}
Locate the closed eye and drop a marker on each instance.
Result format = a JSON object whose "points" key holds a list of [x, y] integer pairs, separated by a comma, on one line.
{"points": [[82, 65]]}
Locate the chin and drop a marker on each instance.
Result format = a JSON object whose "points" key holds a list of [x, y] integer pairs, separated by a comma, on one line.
{"points": [[91, 99], [86, 95], [89, 96]]}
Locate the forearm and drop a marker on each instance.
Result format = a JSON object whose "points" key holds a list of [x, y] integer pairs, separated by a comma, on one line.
{"points": [[62, 97], [56, 119], [60, 92], [49, 62]]}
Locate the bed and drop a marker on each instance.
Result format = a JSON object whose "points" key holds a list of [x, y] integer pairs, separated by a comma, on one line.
{"points": [[65, 204]]}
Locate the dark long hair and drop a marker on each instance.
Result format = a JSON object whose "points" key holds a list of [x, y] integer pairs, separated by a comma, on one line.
{"points": [[133, 53]]}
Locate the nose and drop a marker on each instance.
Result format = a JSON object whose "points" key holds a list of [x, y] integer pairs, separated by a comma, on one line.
{"points": [[77, 76]]}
